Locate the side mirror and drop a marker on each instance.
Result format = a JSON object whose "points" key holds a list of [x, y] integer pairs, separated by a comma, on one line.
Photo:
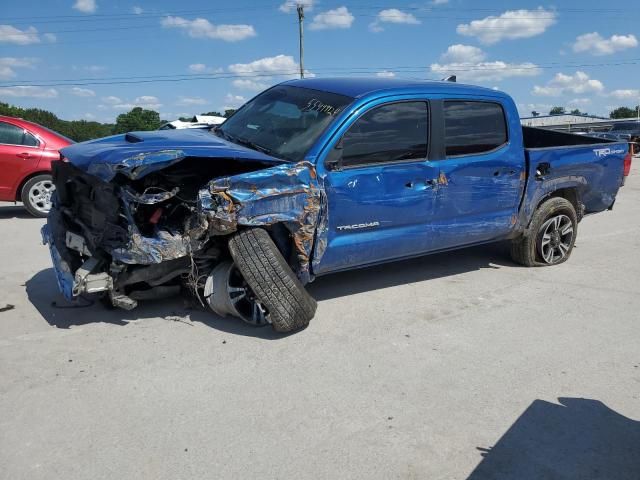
{"points": [[334, 159]]}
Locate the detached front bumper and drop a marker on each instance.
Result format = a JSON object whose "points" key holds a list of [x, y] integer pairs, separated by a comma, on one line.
{"points": [[73, 282]]}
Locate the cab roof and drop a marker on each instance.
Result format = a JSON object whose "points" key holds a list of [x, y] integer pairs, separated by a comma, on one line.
{"points": [[360, 86]]}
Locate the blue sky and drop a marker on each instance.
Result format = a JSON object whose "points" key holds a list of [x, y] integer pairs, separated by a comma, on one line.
{"points": [[94, 59]]}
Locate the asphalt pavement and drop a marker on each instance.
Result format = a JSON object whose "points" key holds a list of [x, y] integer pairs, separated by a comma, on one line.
{"points": [[453, 366]]}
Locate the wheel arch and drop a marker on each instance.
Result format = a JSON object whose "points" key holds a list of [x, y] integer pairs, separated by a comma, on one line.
{"points": [[18, 194]]}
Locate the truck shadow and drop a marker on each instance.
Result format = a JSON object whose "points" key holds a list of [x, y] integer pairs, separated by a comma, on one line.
{"points": [[419, 269], [10, 210], [42, 292], [579, 439]]}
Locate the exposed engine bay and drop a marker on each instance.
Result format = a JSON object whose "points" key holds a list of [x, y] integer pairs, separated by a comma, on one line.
{"points": [[143, 236]]}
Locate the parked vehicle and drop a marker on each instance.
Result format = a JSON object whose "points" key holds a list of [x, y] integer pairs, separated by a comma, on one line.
{"points": [[313, 177], [198, 121], [26, 152]]}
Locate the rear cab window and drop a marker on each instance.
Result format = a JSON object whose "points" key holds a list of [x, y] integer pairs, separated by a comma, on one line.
{"points": [[473, 127]]}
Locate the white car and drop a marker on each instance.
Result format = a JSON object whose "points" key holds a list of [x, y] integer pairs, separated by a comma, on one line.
{"points": [[198, 121]]}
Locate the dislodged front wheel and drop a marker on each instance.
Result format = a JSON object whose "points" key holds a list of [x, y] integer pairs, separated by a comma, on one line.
{"points": [[556, 239], [227, 293]]}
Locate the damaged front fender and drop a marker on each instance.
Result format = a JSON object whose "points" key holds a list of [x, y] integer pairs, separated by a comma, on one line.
{"points": [[286, 194]]}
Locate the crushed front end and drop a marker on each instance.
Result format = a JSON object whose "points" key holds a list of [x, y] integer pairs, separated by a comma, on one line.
{"points": [[135, 237]]}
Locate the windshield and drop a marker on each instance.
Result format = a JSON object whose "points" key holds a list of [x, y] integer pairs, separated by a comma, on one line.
{"points": [[284, 121]]}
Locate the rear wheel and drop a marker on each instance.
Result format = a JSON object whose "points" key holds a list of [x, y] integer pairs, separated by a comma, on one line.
{"points": [[552, 235], [36, 195], [266, 272]]}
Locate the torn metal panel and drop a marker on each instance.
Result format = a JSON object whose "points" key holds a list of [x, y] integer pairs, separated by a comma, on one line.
{"points": [[288, 194], [136, 166]]}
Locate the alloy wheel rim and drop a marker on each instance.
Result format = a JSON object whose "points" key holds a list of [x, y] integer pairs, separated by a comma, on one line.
{"points": [[249, 308], [556, 238], [40, 195]]}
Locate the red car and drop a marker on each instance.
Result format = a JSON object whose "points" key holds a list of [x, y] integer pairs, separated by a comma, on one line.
{"points": [[26, 152]]}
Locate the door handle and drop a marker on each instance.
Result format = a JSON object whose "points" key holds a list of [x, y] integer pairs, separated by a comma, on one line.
{"points": [[24, 155]]}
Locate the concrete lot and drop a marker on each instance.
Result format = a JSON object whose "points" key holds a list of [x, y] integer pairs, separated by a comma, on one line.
{"points": [[454, 366]]}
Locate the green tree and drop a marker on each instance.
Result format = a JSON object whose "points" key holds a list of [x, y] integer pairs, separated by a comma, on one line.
{"points": [[138, 119], [557, 111], [228, 112], [623, 112], [78, 130], [213, 114], [577, 111]]}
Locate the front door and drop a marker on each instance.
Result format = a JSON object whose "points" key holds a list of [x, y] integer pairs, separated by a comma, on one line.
{"points": [[382, 193]]}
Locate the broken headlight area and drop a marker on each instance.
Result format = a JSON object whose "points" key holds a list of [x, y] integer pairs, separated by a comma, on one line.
{"points": [[155, 236]]}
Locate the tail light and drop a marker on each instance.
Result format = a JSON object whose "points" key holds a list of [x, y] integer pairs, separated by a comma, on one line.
{"points": [[627, 165]]}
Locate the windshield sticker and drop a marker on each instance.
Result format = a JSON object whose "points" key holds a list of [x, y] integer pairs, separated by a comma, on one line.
{"points": [[316, 105]]}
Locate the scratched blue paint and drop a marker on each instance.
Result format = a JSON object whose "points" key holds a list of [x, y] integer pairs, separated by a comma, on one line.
{"points": [[62, 271]]}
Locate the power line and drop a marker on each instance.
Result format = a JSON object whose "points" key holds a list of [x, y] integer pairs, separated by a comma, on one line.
{"points": [[295, 72]]}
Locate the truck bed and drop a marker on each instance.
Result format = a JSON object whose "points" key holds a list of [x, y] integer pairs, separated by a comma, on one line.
{"points": [[593, 167]]}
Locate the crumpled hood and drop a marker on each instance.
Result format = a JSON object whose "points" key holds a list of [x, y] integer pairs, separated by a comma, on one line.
{"points": [[137, 154]]}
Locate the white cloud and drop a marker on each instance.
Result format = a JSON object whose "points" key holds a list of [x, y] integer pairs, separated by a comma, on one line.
{"points": [[111, 100], [10, 34], [148, 102], [202, 28], [595, 44], [512, 24], [137, 10], [89, 116], [579, 102], [82, 92], [290, 5], [463, 54], [337, 18], [561, 84], [202, 68], [485, 71], [245, 84], [385, 74], [232, 101], [469, 63], [439, 2], [85, 6], [28, 91], [392, 15], [8, 64], [626, 94], [280, 65], [189, 101]]}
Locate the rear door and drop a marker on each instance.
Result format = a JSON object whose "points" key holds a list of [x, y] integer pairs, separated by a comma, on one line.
{"points": [[20, 152], [482, 172], [381, 196]]}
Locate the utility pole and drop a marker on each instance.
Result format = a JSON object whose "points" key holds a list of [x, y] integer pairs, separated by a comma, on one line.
{"points": [[300, 9]]}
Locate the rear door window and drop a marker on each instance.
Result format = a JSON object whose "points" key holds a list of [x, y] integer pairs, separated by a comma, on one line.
{"points": [[472, 128], [12, 135]]}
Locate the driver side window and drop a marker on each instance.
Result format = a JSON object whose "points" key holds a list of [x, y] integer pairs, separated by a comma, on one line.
{"points": [[389, 133]]}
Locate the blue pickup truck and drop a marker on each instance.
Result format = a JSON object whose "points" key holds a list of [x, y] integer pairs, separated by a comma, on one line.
{"points": [[313, 177]]}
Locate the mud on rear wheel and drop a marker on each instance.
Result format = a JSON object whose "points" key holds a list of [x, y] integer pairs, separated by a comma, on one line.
{"points": [[289, 307]]}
